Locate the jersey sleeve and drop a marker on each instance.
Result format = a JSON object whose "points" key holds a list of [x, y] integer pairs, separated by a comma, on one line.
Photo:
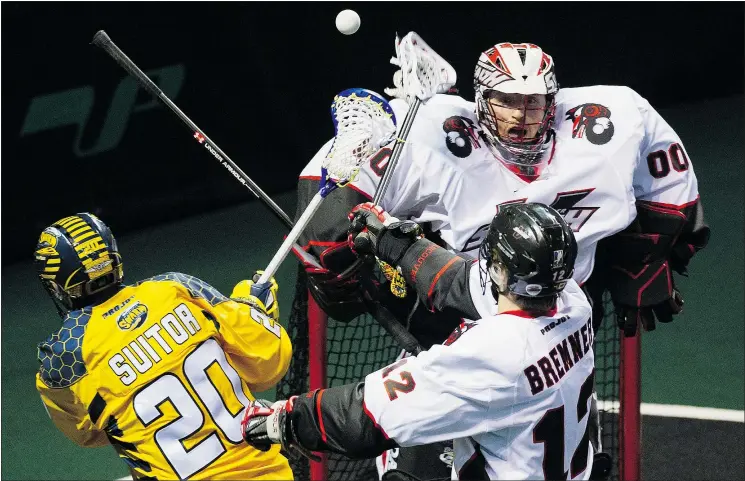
{"points": [[448, 392], [665, 183], [417, 400], [259, 348], [70, 414], [664, 173]]}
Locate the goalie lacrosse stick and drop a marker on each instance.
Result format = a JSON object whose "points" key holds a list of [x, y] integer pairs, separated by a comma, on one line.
{"points": [[102, 40], [363, 123], [422, 74]]}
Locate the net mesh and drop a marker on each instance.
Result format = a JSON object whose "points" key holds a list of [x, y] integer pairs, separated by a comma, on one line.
{"points": [[359, 347]]}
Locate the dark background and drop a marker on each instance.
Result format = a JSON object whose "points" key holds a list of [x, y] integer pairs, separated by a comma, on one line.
{"points": [[258, 78]]}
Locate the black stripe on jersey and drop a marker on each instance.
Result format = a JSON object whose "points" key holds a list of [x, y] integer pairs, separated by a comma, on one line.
{"points": [[475, 468], [212, 318], [137, 464], [96, 408], [113, 432]]}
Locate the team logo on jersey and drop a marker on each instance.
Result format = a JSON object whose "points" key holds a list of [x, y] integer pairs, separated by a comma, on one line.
{"points": [[132, 317], [461, 136], [566, 205], [459, 331], [591, 121]]}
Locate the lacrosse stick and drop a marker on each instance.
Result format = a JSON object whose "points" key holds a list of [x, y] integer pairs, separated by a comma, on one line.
{"points": [[363, 123], [102, 40], [422, 74]]}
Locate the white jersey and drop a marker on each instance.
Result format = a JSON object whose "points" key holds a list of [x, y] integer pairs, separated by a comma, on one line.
{"points": [[611, 148], [512, 391]]}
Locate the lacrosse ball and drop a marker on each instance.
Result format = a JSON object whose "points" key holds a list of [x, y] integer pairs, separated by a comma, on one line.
{"points": [[347, 22]]}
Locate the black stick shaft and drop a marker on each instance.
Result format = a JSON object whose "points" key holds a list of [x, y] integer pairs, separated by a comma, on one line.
{"points": [[402, 136], [101, 39]]}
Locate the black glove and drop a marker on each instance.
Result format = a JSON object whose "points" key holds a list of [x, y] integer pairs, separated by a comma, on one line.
{"points": [[653, 296], [641, 278], [375, 232], [340, 296]]}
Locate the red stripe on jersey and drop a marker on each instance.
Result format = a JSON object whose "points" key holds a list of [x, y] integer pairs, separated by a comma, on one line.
{"points": [[528, 315], [670, 206], [320, 417], [348, 186], [372, 418]]}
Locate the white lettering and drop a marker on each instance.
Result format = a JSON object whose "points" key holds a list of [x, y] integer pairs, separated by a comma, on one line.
{"points": [[188, 319], [146, 345], [120, 367], [174, 328], [143, 363], [154, 333]]}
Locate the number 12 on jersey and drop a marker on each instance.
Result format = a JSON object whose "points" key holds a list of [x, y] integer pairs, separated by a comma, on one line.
{"points": [[550, 432]]}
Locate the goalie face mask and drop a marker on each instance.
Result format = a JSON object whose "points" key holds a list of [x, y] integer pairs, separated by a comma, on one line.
{"points": [[515, 90], [529, 251], [77, 261]]}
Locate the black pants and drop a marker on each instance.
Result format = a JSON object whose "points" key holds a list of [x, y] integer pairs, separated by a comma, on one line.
{"points": [[429, 462]]}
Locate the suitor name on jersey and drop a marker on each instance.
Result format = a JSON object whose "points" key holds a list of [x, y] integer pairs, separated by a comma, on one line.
{"points": [[140, 354]]}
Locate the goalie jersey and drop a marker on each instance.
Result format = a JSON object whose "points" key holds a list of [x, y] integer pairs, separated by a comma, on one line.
{"points": [[512, 390], [610, 149], [162, 371]]}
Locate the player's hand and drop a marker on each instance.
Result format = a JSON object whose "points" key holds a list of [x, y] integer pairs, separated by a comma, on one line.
{"points": [[263, 423], [640, 280], [644, 296], [373, 231], [263, 296]]}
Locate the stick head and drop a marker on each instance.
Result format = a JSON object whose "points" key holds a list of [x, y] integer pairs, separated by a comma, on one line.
{"points": [[424, 72], [363, 123]]}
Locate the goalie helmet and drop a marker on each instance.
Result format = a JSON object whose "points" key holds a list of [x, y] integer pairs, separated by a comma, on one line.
{"points": [[515, 89], [529, 251], [77, 261]]}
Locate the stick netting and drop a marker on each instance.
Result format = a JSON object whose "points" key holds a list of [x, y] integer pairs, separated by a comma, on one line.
{"points": [[357, 348]]}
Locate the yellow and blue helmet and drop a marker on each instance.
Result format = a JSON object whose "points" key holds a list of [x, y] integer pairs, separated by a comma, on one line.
{"points": [[77, 260]]}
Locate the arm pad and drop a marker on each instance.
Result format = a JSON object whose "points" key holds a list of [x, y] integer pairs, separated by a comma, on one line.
{"points": [[439, 277]]}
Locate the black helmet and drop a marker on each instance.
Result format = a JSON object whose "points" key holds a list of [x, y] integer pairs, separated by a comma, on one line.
{"points": [[77, 259], [529, 251]]}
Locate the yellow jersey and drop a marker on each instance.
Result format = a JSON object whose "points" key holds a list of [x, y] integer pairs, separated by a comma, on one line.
{"points": [[163, 371]]}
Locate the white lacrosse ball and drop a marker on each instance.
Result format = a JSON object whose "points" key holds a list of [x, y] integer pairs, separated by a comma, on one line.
{"points": [[347, 22]]}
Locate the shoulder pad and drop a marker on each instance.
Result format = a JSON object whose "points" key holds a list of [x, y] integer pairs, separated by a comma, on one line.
{"points": [[197, 288], [598, 114], [445, 124], [61, 354]]}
